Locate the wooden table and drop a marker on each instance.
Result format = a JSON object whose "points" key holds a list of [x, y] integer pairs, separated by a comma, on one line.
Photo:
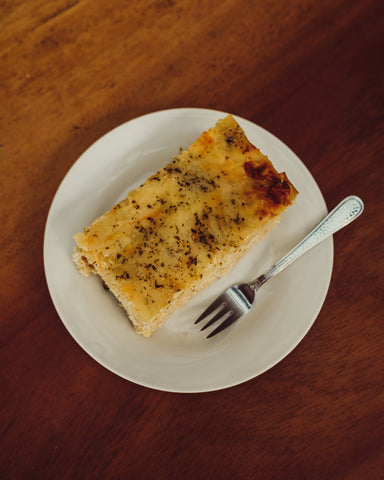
{"points": [[311, 73]]}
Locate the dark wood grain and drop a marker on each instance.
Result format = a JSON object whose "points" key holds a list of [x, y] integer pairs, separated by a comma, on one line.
{"points": [[310, 72]]}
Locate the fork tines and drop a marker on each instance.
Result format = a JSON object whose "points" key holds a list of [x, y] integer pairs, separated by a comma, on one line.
{"points": [[222, 313], [212, 307]]}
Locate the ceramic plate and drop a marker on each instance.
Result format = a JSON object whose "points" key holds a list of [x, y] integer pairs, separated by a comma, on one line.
{"points": [[178, 357]]}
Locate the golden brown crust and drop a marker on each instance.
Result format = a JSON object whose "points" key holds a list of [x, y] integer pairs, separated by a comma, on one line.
{"points": [[186, 225]]}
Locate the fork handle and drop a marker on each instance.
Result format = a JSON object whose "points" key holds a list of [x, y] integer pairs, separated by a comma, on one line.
{"points": [[343, 214]]}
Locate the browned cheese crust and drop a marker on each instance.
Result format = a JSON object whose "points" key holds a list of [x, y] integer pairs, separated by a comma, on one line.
{"points": [[186, 226]]}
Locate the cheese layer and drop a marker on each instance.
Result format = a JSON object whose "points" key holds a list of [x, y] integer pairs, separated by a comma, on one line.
{"points": [[186, 225]]}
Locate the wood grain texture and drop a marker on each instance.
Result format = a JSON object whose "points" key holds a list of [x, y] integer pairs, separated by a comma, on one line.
{"points": [[311, 73]]}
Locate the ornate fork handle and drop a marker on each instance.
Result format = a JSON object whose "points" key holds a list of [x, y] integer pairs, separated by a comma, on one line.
{"points": [[343, 214]]}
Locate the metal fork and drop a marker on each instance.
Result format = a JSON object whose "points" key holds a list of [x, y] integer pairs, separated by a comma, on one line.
{"points": [[237, 300]]}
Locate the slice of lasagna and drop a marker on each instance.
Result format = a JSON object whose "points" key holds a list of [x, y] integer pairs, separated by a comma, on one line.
{"points": [[186, 226]]}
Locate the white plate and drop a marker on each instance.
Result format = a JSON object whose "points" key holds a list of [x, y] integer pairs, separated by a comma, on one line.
{"points": [[178, 357]]}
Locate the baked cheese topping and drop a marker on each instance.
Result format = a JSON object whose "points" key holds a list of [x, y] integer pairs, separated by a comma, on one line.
{"points": [[186, 225]]}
